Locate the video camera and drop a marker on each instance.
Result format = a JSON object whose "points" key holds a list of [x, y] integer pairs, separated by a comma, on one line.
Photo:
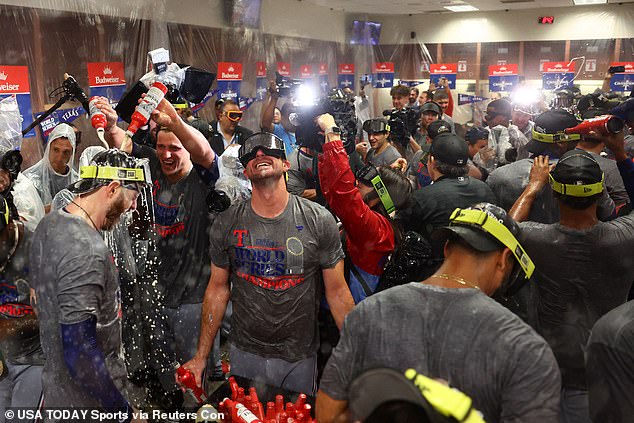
{"points": [[403, 123], [337, 104], [286, 86]]}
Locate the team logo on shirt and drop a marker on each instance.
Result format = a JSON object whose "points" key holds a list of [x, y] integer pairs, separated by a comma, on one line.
{"points": [[267, 264]]}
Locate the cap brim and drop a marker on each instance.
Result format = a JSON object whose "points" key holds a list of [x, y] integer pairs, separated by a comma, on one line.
{"points": [[378, 386], [83, 186], [476, 238]]}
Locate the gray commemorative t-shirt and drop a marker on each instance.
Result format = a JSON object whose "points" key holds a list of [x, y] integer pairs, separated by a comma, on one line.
{"points": [[276, 274], [385, 158], [458, 335], [74, 278], [580, 275]]}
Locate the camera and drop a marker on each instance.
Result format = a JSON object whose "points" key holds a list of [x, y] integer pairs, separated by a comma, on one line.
{"points": [[403, 123], [286, 86], [337, 104]]}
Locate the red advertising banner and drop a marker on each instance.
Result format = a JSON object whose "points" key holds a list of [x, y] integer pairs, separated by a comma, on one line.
{"points": [[305, 71], [383, 67], [284, 68], [443, 68], [229, 71], [106, 73], [260, 69], [629, 66], [346, 69], [14, 80], [502, 70], [323, 69], [558, 67]]}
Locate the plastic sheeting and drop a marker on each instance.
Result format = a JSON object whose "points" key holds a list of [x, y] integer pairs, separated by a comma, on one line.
{"points": [[50, 42]]}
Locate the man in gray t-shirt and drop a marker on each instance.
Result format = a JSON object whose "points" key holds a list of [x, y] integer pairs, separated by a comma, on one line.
{"points": [[77, 289], [381, 153], [447, 328], [274, 250]]}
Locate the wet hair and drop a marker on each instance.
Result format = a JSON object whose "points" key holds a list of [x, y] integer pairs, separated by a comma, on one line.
{"points": [[415, 90], [578, 203], [400, 91], [226, 103], [430, 95], [440, 94], [287, 109], [398, 412], [452, 171]]}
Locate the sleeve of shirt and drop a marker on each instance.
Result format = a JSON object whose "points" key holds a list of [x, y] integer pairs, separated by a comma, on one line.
{"points": [[344, 361], [330, 248], [296, 183], [218, 242], [81, 284], [626, 169]]}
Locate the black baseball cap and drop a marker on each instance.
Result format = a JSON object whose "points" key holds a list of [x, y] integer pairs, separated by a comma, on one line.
{"points": [[438, 127], [577, 174], [476, 133], [476, 236], [431, 106], [450, 149], [376, 126], [549, 128]]}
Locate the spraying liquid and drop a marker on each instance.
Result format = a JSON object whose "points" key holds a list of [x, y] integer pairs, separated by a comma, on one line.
{"points": [[98, 120], [143, 110]]}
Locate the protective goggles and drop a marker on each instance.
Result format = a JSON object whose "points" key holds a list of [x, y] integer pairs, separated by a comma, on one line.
{"points": [[6, 214], [445, 400], [123, 174], [369, 175], [374, 126], [233, 115], [496, 229], [576, 190], [553, 138], [268, 143]]}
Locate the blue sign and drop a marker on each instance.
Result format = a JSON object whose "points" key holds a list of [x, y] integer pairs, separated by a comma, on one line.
{"points": [[57, 117], [468, 99], [451, 79], [500, 83], [261, 87], [384, 80], [622, 82], [411, 84], [345, 81], [245, 102], [24, 106], [229, 90], [323, 83], [554, 80], [112, 92]]}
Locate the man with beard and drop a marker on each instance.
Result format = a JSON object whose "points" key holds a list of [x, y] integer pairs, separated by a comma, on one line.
{"points": [[276, 249], [77, 290]]}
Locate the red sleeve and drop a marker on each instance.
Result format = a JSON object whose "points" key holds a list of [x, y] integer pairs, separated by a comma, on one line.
{"points": [[367, 230], [449, 110]]}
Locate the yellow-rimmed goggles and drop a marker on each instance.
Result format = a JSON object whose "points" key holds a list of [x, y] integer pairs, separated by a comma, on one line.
{"points": [[6, 215], [445, 400], [114, 173], [553, 138], [577, 190], [369, 175], [496, 229]]}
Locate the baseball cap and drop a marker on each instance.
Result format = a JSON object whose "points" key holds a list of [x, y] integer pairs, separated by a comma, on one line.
{"points": [[476, 133], [431, 106], [438, 402], [500, 107], [375, 126], [112, 165], [577, 174], [450, 149], [549, 129], [438, 127], [487, 227]]}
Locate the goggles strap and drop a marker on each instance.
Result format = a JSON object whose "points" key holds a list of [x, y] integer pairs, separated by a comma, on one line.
{"points": [[112, 173], [384, 196]]}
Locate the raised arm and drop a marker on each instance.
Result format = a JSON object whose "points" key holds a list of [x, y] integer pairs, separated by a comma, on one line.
{"points": [[537, 181], [114, 135], [194, 142], [266, 120]]}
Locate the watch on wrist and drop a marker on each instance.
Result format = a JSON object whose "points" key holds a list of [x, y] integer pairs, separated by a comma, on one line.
{"points": [[333, 130]]}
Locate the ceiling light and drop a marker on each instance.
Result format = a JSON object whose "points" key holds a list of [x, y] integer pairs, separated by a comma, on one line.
{"points": [[462, 8], [584, 2]]}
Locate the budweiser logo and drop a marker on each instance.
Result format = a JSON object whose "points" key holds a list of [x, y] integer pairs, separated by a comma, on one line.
{"points": [[629, 66], [225, 75], [230, 69], [503, 68], [322, 67], [443, 67], [346, 67], [283, 67], [107, 70], [3, 76]]}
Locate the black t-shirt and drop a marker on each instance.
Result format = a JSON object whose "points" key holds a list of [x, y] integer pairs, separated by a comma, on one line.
{"points": [[579, 276], [610, 366], [182, 221], [24, 347], [433, 204], [458, 335]]}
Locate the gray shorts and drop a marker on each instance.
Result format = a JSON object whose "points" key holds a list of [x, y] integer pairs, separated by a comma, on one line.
{"points": [[299, 376], [22, 387]]}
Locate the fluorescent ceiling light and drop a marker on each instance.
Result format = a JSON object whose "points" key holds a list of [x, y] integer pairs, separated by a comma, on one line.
{"points": [[462, 8], [584, 2]]}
